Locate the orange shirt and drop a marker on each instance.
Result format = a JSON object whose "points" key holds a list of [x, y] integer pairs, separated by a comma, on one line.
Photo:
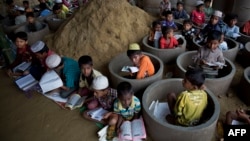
{"points": [[172, 43], [246, 28], [146, 68]]}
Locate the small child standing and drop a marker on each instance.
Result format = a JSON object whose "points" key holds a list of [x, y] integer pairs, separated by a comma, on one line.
{"points": [[143, 62], [232, 30], [180, 13], [69, 71], [127, 106], [188, 32], [168, 40], [210, 54], [88, 74], [165, 5], [155, 34], [208, 10], [187, 108], [197, 15]]}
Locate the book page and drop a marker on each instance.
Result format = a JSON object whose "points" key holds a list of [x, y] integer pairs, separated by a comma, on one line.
{"points": [[97, 114], [138, 129], [236, 122], [25, 81], [75, 101], [56, 97], [161, 111], [158, 35], [22, 67], [131, 69], [50, 81], [126, 131]]}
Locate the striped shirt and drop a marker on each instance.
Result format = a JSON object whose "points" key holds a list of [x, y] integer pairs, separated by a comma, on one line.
{"points": [[71, 72], [127, 113]]}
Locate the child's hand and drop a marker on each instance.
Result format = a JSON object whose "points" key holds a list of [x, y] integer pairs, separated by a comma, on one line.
{"points": [[9, 72], [26, 72], [203, 61], [65, 88], [107, 115]]}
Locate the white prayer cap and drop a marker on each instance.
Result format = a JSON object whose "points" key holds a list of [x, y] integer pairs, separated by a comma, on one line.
{"points": [[19, 8], [37, 46], [199, 2], [100, 82], [58, 1], [52, 61], [217, 13]]}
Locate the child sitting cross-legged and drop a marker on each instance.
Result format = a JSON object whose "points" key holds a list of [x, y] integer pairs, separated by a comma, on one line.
{"points": [[198, 16], [104, 96], [210, 57], [127, 106], [232, 30], [188, 32], [143, 62], [180, 13], [88, 74], [187, 108], [168, 40]]}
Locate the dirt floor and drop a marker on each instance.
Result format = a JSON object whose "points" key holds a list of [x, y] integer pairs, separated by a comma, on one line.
{"points": [[38, 118]]}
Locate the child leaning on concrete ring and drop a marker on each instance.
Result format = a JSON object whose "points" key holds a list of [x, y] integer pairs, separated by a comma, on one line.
{"points": [[187, 108]]}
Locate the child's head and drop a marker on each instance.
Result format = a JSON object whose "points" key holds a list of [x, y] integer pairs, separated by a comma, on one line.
{"points": [[207, 3], [86, 65], [169, 16], [125, 94], [59, 3], [30, 17], [166, 0], [40, 49], [187, 24], [100, 86], [156, 26], [26, 4], [232, 20], [134, 53], [54, 61], [194, 79], [10, 3], [21, 39], [42, 6], [213, 39], [56, 9], [168, 32], [200, 5], [215, 18], [20, 10], [179, 6]]}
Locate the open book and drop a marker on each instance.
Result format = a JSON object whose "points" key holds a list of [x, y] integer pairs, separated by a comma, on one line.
{"points": [[131, 69], [219, 64], [50, 81], [22, 67], [26, 82], [159, 109], [75, 101], [97, 113], [132, 130]]}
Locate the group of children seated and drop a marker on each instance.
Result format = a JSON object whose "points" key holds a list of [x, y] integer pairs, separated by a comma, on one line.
{"points": [[45, 8]]}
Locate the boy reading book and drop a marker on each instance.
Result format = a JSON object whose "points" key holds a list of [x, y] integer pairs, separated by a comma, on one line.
{"points": [[187, 108], [143, 62], [127, 106], [103, 100]]}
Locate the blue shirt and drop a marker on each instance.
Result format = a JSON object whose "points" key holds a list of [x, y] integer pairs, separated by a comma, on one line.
{"points": [[45, 13], [71, 72], [180, 14]]}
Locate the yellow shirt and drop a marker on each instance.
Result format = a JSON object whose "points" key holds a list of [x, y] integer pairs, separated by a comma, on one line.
{"points": [[190, 106], [84, 83], [65, 9]]}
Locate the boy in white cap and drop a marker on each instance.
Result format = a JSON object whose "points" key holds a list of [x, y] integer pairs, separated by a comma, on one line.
{"points": [[215, 23], [198, 16], [143, 62], [104, 97], [20, 18], [69, 71], [64, 8], [41, 50]]}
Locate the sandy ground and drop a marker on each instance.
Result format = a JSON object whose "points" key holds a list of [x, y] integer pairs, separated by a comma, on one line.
{"points": [[38, 118]]}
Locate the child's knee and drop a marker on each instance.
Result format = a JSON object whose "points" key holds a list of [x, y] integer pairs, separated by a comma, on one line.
{"points": [[92, 104], [113, 119]]}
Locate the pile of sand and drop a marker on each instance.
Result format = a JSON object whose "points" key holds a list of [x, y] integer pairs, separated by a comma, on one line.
{"points": [[101, 29]]}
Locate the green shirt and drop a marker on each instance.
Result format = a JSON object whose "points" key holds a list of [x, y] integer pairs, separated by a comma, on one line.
{"points": [[190, 106]]}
